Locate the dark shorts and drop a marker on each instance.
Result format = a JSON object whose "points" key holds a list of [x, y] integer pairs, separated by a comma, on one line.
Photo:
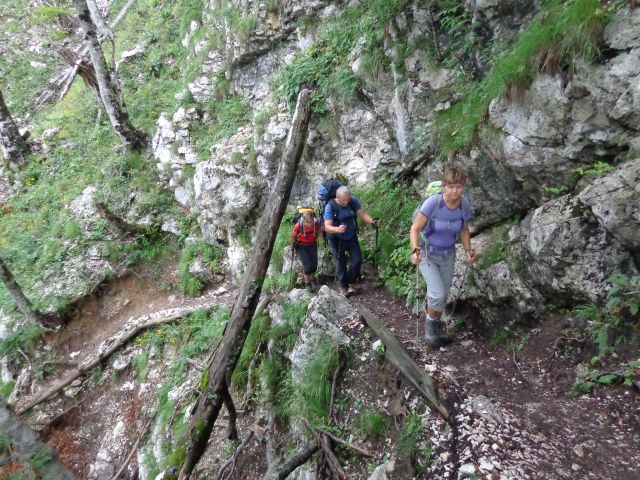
{"points": [[309, 257]]}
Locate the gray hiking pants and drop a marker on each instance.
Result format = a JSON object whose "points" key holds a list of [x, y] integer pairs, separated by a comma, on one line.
{"points": [[437, 272]]}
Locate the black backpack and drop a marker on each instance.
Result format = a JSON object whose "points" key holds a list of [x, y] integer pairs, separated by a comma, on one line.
{"points": [[327, 194]]}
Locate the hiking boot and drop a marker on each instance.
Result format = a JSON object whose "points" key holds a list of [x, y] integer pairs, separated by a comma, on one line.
{"points": [[315, 285], [309, 287], [436, 335], [343, 291], [355, 288]]}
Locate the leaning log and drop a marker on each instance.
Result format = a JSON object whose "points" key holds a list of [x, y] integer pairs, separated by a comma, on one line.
{"points": [[210, 401], [399, 358]]}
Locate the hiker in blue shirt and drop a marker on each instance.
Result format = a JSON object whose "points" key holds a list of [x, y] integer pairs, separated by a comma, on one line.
{"points": [[340, 223], [442, 218]]}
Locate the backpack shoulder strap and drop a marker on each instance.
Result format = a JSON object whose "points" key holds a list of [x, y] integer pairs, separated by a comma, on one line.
{"points": [[437, 204], [466, 209], [334, 208]]}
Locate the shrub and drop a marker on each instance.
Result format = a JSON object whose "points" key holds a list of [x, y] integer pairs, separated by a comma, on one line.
{"points": [[371, 424]]}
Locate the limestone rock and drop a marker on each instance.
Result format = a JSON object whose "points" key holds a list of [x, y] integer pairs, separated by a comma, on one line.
{"points": [[325, 312], [380, 473], [615, 200], [567, 254]]}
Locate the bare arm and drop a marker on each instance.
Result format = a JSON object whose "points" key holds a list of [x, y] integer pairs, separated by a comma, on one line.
{"points": [[328, 226], [365, 216], [465, 239], [414, 235]]}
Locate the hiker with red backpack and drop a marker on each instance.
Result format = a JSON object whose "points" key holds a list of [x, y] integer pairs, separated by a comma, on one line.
{"points": [[441, 218], [304, 240], [340, 215]]}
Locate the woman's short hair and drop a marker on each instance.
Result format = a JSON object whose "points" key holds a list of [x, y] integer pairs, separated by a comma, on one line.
{"points": [[453, 175]]}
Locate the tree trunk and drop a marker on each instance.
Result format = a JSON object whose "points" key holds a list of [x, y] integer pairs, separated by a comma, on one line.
{"points": [[118, 116], [12, 144], [23, 303], [98, 20], [208, 406]]}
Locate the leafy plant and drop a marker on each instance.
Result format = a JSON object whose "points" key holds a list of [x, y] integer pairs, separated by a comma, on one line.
{"points": [[556, 190], [5, 391], [21, 341], [211, 256], [588, 379], [371, 424], [596, 170], [413, 445], [607, 325]]}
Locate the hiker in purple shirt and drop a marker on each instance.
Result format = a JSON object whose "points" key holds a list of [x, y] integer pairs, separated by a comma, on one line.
{"points": [[433, 234]]}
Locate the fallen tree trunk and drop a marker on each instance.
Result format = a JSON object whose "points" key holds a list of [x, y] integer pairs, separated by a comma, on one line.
{"points": [[113, 344], [209, 404], [399, 358]]}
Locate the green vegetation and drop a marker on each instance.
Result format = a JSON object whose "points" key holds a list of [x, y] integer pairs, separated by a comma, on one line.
{"points": [[193, 337], [328, 61], [561, 33], [258, 334], [40, 458], [4, 443], [609, 325], [38, 233], [211, 256], [598, 169], [5, 391], [22, 340], [394, 205], [141, 364], [414, 445], [509, 338], [371, 424], [588, 379], [224, 119]]}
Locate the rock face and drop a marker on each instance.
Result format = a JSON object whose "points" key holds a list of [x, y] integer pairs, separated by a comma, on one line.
{"points": [[536, 148], [325, 312], [568, 255], [615, 200]]}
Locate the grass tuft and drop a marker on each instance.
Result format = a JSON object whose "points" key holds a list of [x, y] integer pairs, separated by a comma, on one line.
{"points": [[561, 33]]}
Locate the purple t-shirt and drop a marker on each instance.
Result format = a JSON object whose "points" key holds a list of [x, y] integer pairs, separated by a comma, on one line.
{"points": [[445, 226]]}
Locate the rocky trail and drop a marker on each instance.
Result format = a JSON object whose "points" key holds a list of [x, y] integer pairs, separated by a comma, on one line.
{"points": [[513, 418]]}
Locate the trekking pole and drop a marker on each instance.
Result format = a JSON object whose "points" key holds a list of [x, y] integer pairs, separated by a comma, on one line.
{"points": [[417, 305], [292, 281], [375, 250]]}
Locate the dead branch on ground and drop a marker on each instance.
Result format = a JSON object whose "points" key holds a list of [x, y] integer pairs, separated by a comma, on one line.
{"points": [[112, 345]]}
